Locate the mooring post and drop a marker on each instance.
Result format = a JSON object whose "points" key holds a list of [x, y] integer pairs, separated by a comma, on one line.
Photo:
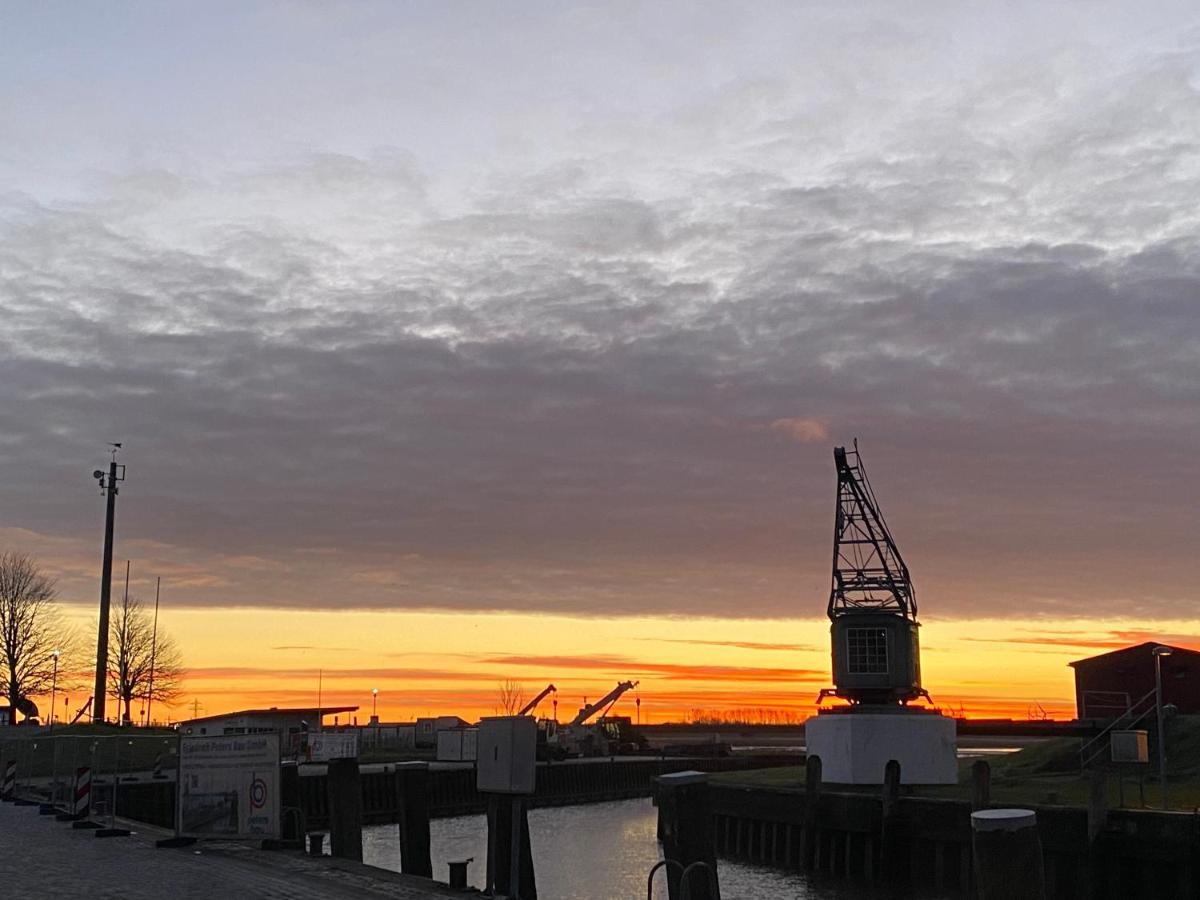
{"points": [[686, 824], [981, 785], [508, 820], [1097, 819], [1097, 811], [1008, 855], [812, 800], [344, 789], [891, 829], [412, 807]]}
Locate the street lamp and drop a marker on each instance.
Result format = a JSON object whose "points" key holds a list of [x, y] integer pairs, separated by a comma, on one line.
{"points": [[53, 687], [374, 703], [1159, 652]]}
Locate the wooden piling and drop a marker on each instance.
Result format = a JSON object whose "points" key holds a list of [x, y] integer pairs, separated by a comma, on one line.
{"points": [[686, 826], [812, 800], [1008, 855], [412, 813], [508, 820], [891, 832], [344, 788], [981, 785]]}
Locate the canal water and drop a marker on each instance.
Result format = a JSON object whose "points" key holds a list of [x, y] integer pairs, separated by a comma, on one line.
{"points": [[599, 851]]}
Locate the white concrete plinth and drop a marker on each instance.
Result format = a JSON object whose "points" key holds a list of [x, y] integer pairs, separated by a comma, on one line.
{"points": [[855, 747]]}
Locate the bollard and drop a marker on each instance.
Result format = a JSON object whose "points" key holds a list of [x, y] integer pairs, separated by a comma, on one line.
{"points": [[1007, 850], [412, 804], [981, 785], [344, 789], [458, 873], [686, 824], [9, 788]]}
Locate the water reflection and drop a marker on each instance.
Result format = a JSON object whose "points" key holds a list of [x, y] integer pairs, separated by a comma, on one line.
{"points": [[601, 851]]}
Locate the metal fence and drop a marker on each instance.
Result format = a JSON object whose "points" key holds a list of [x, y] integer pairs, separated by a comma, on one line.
{"points": [[47, 763]]}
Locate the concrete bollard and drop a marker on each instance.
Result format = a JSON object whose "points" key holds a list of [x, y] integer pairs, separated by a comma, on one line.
{"points": [[412, 806], [344, 787], [686, 825], [812, 800], [981, 785], [1008, 855]]}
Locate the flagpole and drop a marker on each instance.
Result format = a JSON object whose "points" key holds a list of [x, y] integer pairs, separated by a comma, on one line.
{"points": [[153, 651]]}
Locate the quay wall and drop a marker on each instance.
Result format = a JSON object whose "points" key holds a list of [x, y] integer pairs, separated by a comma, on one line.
{"points": [[1138, 853], [451, 791]]}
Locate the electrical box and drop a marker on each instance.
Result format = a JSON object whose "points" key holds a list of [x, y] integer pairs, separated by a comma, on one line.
{"points": [[506, 756], [1129, 747]]}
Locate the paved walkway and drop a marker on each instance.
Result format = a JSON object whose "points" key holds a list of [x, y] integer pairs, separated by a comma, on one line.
{"points": [[40, 857]]}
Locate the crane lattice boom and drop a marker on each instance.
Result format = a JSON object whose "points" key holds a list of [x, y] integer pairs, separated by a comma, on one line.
{"points": [[868, 571]]}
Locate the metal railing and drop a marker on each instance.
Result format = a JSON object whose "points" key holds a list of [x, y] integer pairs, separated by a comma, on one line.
{"points": [[1094, 749], [685, 877]]}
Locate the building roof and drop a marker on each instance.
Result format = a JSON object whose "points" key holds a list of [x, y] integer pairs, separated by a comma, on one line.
{"points": [[301, 711], [1134, 650]]}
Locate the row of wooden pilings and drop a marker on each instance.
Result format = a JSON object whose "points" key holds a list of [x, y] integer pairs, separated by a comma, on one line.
{"points": [[507, 823], [904, 844], [452, 792]]}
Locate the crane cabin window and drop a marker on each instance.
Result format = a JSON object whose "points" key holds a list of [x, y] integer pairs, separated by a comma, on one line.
{"points": [[866, 651]]}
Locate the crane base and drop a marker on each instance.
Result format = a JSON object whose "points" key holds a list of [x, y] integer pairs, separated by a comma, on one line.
{"points": [[856, 745]]}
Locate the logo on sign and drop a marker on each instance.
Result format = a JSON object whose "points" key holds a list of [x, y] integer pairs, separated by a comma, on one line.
{"points": [[258, 794]]}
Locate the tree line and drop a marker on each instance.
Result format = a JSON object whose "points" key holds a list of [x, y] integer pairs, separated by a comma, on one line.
{"points": [[40, 650]]}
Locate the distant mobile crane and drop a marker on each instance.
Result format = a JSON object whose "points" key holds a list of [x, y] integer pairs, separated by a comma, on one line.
{"points": [[606, 736], [532, 704]]}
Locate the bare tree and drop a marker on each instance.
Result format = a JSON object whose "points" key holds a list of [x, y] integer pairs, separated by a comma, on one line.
{"points": [[512, 697], [35, 641], [132, 651]]}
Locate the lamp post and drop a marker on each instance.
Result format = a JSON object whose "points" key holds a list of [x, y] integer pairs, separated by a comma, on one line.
{"points": [[374, 703], [1159, 652], [54, 687]]}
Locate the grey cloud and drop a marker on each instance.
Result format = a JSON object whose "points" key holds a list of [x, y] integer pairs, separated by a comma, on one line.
{"points": [[561, 396]]}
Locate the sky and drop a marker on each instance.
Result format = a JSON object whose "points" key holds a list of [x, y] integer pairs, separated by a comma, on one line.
{"points": [[456, 342]]}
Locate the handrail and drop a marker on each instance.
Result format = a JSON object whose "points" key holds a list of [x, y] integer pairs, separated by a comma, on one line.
{"points": [[1132, 716], [658, 865], [685, 885]]}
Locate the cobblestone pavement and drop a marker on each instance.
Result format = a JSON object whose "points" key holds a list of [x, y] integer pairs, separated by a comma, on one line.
{"points": [[40, 857]]}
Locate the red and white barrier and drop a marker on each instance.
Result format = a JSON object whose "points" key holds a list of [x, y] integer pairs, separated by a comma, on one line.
{"points": [[83, 792], [9, 786]]}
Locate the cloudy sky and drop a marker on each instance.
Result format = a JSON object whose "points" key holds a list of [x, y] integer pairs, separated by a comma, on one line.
{"points": [[439, 310]]}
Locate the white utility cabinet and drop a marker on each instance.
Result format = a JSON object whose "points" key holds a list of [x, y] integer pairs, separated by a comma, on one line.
{"points": [[506, 760], [1130, 746]]}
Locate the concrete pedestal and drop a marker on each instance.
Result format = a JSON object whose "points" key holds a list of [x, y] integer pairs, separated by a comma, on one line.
{"points": [[855, 746]]}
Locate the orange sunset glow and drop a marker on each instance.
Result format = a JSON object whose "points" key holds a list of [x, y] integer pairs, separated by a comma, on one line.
{"points": [[981, 668]]}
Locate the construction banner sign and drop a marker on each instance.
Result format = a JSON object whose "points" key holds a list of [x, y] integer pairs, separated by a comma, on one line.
{"points": [[228, 787]]}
